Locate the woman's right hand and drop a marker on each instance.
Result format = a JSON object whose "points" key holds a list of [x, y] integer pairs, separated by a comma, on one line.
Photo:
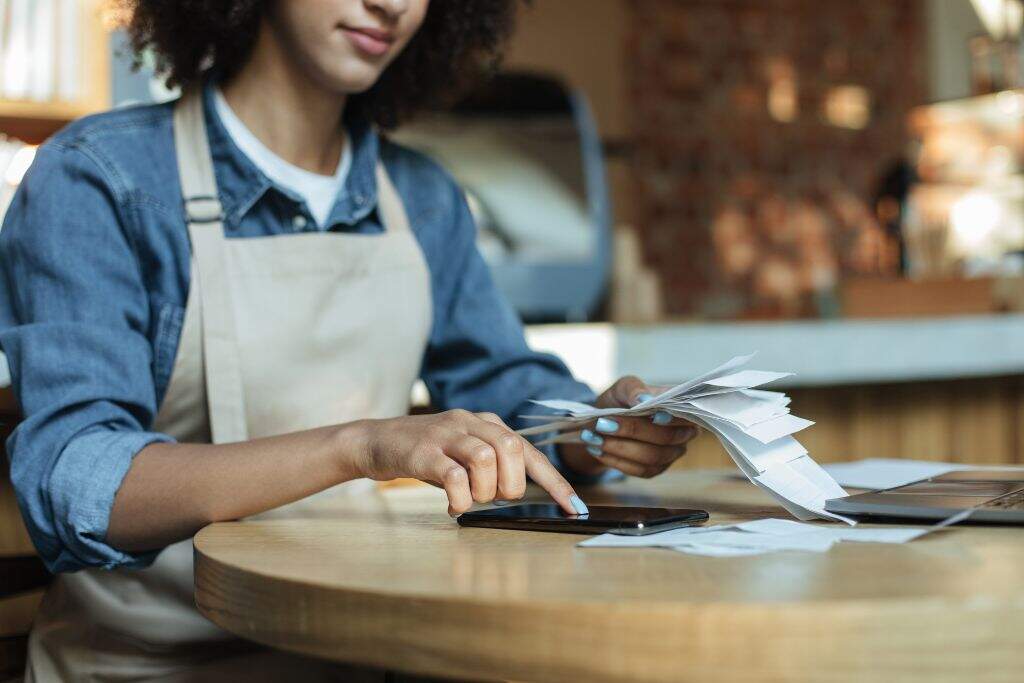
{"points": [[472, 456]]}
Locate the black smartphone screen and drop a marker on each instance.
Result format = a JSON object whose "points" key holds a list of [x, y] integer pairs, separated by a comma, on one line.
{"points": [[632, 521]]}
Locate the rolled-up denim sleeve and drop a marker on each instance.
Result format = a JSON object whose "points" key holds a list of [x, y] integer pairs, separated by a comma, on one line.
{"points": [[73, 321], [478, 358]]}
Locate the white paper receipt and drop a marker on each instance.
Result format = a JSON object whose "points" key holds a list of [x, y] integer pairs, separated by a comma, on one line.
{"points": [[754, 426], [763, 536]]}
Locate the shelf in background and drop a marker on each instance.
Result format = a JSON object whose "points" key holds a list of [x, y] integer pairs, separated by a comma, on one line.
{"points": [[31, 125], [59, 112], [34, 120]]}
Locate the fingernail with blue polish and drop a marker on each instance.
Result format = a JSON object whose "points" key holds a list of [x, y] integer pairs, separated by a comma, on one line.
{"points": [[578, 505], [661, 418], [640, 398], [587, 436], [595, 451], [607, 426]]}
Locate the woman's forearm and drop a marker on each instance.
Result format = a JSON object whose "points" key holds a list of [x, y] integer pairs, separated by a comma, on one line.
{"points": [[173, 490]]}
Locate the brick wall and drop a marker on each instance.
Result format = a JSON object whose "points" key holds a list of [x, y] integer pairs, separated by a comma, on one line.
{"points": [[754, 174]]}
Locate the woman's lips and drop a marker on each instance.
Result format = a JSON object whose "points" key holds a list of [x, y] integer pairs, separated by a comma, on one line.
{"points": [[373, 42]]}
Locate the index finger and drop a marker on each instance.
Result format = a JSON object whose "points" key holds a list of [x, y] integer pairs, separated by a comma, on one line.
{"points": [[551, 480]]}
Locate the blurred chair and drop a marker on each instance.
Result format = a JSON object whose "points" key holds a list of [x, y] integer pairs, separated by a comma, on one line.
{"points": [[526, 151]]}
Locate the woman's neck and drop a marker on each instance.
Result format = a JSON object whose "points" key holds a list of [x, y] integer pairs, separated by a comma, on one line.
{"points": [[295, 119]]}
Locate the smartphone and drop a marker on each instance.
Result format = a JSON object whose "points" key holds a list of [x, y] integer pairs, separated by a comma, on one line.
{"points": [[625, 521]]}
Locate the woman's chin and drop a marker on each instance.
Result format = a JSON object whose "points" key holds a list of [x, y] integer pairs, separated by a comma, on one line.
{"points": [[351, 78]]}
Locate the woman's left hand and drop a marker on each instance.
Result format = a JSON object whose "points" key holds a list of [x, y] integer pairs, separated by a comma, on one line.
{"points": [[637, 446]]}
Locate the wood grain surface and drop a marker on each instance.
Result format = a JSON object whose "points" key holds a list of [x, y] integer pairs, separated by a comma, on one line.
{"points": [[389, 580]]}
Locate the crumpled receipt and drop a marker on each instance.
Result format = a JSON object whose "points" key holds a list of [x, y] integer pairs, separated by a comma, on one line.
{"points": [[754, 426]]}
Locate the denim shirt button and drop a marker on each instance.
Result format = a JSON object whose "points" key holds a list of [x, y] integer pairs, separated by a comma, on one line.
{"points": [[299, 222], [360, 199]]}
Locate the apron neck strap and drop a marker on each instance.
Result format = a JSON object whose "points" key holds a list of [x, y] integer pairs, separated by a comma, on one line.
{"points": [[390, 208], [195, 164], [204, 215]]}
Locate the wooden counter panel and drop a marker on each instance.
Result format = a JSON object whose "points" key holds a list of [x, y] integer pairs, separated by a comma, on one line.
{"points": [[970, 421]]}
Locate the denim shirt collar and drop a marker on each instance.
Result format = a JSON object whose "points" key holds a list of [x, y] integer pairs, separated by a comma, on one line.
{"points": [[241, 184]]}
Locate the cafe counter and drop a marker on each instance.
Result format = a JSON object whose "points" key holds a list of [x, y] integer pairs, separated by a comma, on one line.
{"points": [[949, 388]]}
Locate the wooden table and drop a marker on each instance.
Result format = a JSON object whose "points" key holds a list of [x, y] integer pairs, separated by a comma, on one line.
{"points": [[393, 582]]}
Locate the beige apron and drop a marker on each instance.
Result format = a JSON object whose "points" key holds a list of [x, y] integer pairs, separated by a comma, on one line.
{"points": [[281, 334]]}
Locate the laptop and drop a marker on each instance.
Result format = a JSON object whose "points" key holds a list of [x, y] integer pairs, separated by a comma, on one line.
{"points": [[994, 495]]}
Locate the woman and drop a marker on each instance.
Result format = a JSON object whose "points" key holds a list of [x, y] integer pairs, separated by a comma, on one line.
{"points": [[217, 307]]}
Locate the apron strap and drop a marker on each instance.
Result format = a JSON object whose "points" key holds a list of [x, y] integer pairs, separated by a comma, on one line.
{"points": [[389, 204], [205, 217]]}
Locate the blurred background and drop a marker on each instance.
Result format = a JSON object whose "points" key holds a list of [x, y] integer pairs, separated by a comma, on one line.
{"points": [[645, 160], [660, 185]]}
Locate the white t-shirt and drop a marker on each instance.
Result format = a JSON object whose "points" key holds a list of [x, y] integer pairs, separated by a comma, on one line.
{"points": [[319, 191]]}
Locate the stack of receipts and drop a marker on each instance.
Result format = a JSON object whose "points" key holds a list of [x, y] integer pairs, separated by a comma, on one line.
{"points": [[754, 426], [763, 536]]}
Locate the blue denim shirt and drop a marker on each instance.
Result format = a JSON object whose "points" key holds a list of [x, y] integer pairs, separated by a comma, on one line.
{"points": [[94, 277]]}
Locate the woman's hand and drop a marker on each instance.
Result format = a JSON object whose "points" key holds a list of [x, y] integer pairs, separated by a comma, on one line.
{"points": [[472, 456], [637, 446]]}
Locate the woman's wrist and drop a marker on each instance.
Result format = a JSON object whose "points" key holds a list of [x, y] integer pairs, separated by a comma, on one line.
{"points": [[351, 450]]}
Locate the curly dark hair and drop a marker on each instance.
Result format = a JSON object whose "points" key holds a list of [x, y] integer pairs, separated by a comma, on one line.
{"points": [[459, 40]]}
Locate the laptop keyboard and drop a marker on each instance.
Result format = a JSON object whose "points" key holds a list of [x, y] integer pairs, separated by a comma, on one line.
{"points": [[1013, 501]]}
